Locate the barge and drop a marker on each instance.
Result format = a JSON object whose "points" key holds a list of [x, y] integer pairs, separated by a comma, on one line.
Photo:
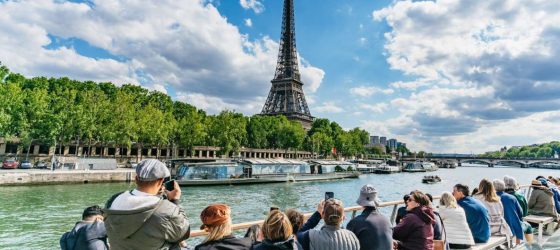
{"points": [[256, 171]]}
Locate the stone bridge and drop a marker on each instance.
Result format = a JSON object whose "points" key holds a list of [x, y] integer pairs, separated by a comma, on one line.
{"points": [[491, 162]]}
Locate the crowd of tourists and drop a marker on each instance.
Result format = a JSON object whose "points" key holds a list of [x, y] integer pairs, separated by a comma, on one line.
{"points": [[149, 217]]}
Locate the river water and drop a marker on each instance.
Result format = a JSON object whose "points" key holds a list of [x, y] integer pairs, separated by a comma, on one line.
{"points": [[34, 217]]}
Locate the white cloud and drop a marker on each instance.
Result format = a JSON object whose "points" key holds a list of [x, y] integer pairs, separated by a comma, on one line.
{"points": [[248, 22], [185, 46], [366, 91], [411, 85], [329, 107], [477, 69], [376, 108], [255, 5]]}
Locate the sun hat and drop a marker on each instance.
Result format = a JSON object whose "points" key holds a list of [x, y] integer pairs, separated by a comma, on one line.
{"points": [[368, 196], [151, 170], [536, 183], [215, 215]]}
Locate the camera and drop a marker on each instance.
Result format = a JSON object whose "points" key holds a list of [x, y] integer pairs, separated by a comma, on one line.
{"points": [[329, 195]]}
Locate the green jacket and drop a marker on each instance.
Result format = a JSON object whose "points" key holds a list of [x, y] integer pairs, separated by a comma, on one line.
{"points": [[521, 199], [159, 226]]}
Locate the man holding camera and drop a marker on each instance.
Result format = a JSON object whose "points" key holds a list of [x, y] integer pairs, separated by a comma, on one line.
{"points": [[142, 218]]}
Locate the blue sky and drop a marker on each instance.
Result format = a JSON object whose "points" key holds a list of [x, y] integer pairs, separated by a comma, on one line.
{"points": [[443, 76]]}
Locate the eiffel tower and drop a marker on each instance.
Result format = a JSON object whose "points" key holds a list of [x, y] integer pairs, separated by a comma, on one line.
{"points": [[286, 95]]}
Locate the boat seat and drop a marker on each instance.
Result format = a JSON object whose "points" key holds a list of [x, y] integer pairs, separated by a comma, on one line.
{"points": [[492, 243], [541, 221]]}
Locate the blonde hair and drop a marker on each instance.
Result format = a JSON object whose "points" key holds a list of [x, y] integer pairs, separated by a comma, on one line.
{"points": [[448, 200], [219, 231], [277, 227], [486, 189]]}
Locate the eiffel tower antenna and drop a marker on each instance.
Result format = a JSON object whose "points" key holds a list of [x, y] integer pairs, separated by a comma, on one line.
{"points": [[286, 96]]}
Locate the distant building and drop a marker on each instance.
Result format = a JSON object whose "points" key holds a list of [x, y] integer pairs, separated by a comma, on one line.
{"points": [[392, 143], [383, 140], [374, 139]]}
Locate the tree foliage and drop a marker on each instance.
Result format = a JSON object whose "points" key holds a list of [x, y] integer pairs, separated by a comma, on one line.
{"points": [[57, 111], [546, 150]]}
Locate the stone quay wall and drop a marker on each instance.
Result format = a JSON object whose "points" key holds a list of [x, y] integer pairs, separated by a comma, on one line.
{"points": [[41, 177]]}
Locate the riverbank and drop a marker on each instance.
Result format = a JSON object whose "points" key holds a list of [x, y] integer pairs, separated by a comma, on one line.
{"points": [[22, 177]]}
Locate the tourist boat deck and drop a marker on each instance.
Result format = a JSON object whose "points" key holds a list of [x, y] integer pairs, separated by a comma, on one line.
{"points": [[254, 171], [541, 241]]}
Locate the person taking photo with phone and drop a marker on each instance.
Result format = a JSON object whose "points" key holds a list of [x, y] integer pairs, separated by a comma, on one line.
{"points": [[142, 218], [331, 236]]}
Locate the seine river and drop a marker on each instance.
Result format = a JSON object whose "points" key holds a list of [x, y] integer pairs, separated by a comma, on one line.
{"points": [[34, 217]]}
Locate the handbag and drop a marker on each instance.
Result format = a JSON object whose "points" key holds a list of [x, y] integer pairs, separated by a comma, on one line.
{"points": [[439, 244]]}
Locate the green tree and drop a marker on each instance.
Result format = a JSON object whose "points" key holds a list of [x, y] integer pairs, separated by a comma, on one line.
{"points": [[228, 131]]}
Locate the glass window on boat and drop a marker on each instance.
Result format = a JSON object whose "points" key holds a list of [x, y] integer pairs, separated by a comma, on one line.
{"points": [[262, 169], [187, 172]]}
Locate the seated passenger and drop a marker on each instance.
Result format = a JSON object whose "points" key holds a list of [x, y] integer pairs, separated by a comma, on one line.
{"points": [[296, 219], [541, 201], [477, 215], [371, 227], [416, 232], [277, 232], [438, 227], [88, 234], [331, 236], [458, 233], [216, 220], [554, 189], [511, 188], [487, 195], [402, 210], [254, 233], [512, 210]]}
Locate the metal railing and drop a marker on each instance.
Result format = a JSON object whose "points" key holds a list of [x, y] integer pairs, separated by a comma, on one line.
{"points": [[353, 209]]}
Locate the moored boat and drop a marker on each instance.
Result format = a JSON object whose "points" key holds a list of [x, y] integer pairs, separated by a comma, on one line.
{"points": [[253, 171], [387, 169], [420, 166]]}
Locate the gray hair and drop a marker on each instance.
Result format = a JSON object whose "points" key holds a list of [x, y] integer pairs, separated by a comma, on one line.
{"points": [[510, 182], [499, 185]]}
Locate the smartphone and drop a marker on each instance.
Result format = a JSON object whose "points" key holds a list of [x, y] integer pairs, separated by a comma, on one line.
{"points": [[169, 185], [329, 195], [273, 208]]}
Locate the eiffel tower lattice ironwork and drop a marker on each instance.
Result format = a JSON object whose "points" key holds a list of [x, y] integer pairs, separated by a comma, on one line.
{"points": [[286, 95]]}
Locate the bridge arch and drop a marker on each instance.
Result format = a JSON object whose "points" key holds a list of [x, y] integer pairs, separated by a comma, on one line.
{"points": [[476, 161]]}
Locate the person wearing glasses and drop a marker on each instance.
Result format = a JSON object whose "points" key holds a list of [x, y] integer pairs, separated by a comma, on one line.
{"points": [[415, 231]]}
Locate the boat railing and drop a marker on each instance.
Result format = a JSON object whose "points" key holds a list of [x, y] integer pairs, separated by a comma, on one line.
{"points": [[353, 209]]}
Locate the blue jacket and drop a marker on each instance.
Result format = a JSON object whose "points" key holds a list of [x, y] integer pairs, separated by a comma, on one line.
{"points": [[556, 193], [512, 213], [477, 218], [303, 233]]}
